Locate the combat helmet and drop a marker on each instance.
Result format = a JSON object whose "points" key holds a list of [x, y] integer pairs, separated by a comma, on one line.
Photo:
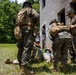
{"points": [[52, 21], [25, 4], [70, 12]]}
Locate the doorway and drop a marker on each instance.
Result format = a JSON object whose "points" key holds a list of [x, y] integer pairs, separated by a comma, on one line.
{"points": [[43, 36], [61, 16]]}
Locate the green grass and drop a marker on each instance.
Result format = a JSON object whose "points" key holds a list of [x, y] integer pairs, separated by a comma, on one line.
{"points": [[41, 68]]}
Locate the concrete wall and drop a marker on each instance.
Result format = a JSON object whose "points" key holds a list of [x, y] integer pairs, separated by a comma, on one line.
{"points": [[49, 12]]}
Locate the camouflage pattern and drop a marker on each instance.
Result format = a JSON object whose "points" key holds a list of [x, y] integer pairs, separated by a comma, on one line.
{"points": [[17, 32], [34, 51], [73, 21], [61, 43], [72, 54], [25, 44], [73, 44], [37, 53], [60, 50], [54, 29]]}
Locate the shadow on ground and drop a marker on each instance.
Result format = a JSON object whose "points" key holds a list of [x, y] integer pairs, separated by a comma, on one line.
{"points": [[41, 68], [45, 68], [71, 69]]}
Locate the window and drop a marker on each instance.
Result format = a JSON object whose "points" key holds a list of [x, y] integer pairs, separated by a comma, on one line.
{"points": [[61, 16], [43, 3], [73, 5]]}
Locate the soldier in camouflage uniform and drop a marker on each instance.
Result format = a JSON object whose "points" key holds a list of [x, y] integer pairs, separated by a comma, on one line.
{"points": [[72, 16], [61, 43], [36, 46], [37, 54], [25, 44]]}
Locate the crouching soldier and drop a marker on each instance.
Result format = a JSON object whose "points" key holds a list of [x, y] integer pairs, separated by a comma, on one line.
{"points": [[37, 54], [26, 22], [61, 43]]}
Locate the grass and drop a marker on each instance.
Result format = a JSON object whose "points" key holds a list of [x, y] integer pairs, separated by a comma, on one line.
{"points": [[41, 68]]}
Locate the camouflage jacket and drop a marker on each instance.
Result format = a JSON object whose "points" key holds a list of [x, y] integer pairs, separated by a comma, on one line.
{"points": [[73, 21], [54, 29]]}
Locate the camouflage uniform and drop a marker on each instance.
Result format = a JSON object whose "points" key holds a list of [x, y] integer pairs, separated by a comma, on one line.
{"points": [[25, 44], [73, 44], [61, 43], [60, 50], [36, 45]]}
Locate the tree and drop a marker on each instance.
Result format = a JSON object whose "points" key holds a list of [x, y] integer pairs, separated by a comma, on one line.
{"points": [[32, 1], [8, 13], [35, 5]]}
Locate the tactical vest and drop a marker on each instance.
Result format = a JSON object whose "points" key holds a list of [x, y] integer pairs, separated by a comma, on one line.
{"points": [[29, 21]]}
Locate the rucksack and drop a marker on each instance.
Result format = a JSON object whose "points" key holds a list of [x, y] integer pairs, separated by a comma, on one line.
{"points": [[22, 17], [54, 31]]}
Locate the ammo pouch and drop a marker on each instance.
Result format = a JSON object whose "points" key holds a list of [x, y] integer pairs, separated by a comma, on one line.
{"points": [[28, 32]]}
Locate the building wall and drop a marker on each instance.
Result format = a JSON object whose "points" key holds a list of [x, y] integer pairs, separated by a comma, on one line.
{"points": [[49, 12]]}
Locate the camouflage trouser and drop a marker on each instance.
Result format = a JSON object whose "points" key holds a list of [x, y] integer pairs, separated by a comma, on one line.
{"points": [[73, 50], [60, 50], [25, 46], [37, 53], [34, 51]]}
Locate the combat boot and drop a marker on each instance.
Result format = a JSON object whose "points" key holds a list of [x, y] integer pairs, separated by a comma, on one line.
{"points": [[54, 69], [22, 70], [64, 68]]}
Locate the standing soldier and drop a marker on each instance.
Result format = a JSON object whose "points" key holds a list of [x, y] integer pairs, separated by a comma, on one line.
{"points": [[61, 42], [72, 16], [26, 20]]}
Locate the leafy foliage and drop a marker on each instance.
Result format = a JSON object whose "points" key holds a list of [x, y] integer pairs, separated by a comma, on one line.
{"points": [[8, 13], [32, 1], [35, 5]]}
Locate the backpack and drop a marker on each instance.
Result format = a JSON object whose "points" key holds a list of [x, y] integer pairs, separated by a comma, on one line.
{"points": [[54, 31], [22, 17]]}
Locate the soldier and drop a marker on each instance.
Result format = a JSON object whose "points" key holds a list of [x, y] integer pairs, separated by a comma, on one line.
{"points": [[36, 46], [72, 16], [27, 19], [37, 54], [61, 42]]}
